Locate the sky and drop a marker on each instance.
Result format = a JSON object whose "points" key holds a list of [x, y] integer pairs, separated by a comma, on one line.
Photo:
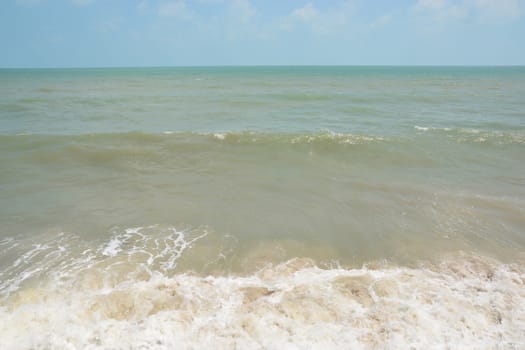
{"points": [[109, 33]]}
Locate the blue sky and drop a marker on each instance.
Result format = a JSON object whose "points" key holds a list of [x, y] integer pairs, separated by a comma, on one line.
{"points": [[93, 33]]}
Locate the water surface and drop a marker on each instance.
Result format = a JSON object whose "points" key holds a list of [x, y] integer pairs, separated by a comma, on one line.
{"points": [[170, 202]]}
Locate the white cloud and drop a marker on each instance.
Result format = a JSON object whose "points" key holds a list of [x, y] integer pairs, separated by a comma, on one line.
{"points": [[176, 9], [328, 21], [484, 10], [306, 13]]}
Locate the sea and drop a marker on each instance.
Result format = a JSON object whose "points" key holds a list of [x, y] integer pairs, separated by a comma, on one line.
{"points": [[262, 208]]}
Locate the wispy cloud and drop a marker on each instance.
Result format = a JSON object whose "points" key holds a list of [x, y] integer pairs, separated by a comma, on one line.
{"points": [[483, 10], [306, 13], [441, 9], [143, 6], [322, 22], [242, 9], [381, 21], [177, 9], [498, 9]]}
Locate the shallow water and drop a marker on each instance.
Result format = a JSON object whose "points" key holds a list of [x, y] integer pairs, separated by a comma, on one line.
{"points": [[262, 207]]}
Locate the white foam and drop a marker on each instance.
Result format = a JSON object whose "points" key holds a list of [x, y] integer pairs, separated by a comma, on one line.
{"points": [[64, 255], [113, 247], [338, 138], [427, 128], [462, 302]]}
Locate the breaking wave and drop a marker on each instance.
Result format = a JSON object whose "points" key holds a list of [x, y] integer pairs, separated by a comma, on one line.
{"points": [[124, 294]]}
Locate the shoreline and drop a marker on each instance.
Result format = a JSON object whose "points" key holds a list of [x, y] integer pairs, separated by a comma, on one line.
{"points": [[466, 301]]}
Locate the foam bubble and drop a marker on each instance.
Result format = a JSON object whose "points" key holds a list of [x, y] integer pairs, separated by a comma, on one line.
{"points": [[460, 302]]}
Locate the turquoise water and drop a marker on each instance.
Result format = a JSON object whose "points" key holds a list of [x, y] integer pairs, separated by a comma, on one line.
{"points": [[297, 194]]}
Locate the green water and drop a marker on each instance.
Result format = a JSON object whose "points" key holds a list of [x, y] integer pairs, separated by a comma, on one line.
{"points": [[367, 162], [363, 100]]}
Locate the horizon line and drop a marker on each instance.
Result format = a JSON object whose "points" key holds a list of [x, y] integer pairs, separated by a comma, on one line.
{"points": [[275, 66]]}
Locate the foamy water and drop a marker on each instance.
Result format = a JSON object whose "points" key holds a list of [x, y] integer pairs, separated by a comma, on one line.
{"points": [[118, 297]]}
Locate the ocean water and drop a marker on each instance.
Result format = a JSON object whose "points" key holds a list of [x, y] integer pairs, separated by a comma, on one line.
{"points": [[262, 207]]}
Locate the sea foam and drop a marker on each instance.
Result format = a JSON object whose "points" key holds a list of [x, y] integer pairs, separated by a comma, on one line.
{"points": [[461, 301]]}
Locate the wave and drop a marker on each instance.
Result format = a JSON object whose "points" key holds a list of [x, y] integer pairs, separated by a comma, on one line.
{"points": [[122, 148], [172, 137], [473, 135], [129, 152], [462, 300]]}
